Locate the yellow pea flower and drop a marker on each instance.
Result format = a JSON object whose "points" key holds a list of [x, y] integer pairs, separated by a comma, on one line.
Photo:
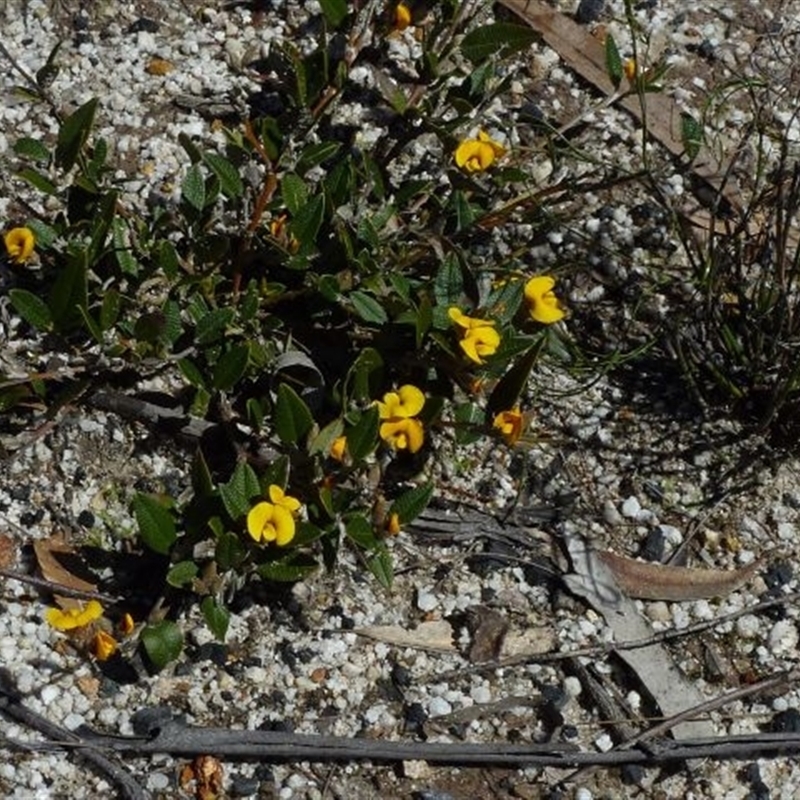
{"points": [[406, 402], [279, 228], [543, 305], [68, 619], [19, 244], [126, 624], [104, 645], [399, 428], [510, 424], [476, 155], [478, 336], [267, 522], [402, 17], [403, 434], [338, 448], [393, 524], [630, 69]]}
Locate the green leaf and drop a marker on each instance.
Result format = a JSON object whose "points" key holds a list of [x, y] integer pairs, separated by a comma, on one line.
{"points": [[368, 308], [423, 320], [306, 224], [292, 567], [162, 642], [193, 188], [182, 573], [27, 147], [166, 256], [230, 368], [212, 326], [469, 418], [173, 328], [366, 375], [156, 525], [363, 436], [277, 472], [334, 10], [229, 179], [292, 417], [306, 533], [315, 154], [499, 39], [191, 373], [691, 135], [613, 61], [69, 291], [110, 308], [31, 308], [381, 566], [122, 249], [339, 182], [73, 134], [38, 181], [505, 395], [504, 301], [45, 234], [202, 482], [322, 442], [359, 529], [238, 493], [410, 504], [294, 192], [217, 617], [102, 221], [91, 325], [230, 553], [448, 285], [46, 74], [465, 214]]}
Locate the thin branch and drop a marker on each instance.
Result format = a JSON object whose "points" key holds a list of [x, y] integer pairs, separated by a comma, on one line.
{"points": [[12, 707]]}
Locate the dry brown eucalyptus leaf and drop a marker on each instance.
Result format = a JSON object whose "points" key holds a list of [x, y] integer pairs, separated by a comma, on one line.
{"points": [[51, 553], [661, 582], [8, 551], [436, 635], [488, 629]]}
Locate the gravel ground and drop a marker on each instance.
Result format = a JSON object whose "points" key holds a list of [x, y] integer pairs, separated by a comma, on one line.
{"points": [[623, 459]]}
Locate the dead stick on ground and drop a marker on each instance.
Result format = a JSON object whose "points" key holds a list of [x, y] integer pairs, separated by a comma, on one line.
{"points": [[11, 706]]}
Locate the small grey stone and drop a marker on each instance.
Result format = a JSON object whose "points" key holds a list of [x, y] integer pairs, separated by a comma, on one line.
{"points": [[631, 507], [610, 513], [439, 707]]}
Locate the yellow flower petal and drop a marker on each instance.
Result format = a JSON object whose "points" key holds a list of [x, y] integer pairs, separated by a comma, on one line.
{"points": [[406, 402], [277, 496], [479, 342], [284, 526], [402, 16], [543, 305], [468, 323], [510, 424], [338, 448], [126, 625], [403, 434], [271, 523], [70, 618], [393, 524], [476, 155], [19, 244], [259, 519], [104, 645]]}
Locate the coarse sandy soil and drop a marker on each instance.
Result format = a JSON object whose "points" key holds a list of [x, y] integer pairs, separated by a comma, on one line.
{"points": [[627, 461]]}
